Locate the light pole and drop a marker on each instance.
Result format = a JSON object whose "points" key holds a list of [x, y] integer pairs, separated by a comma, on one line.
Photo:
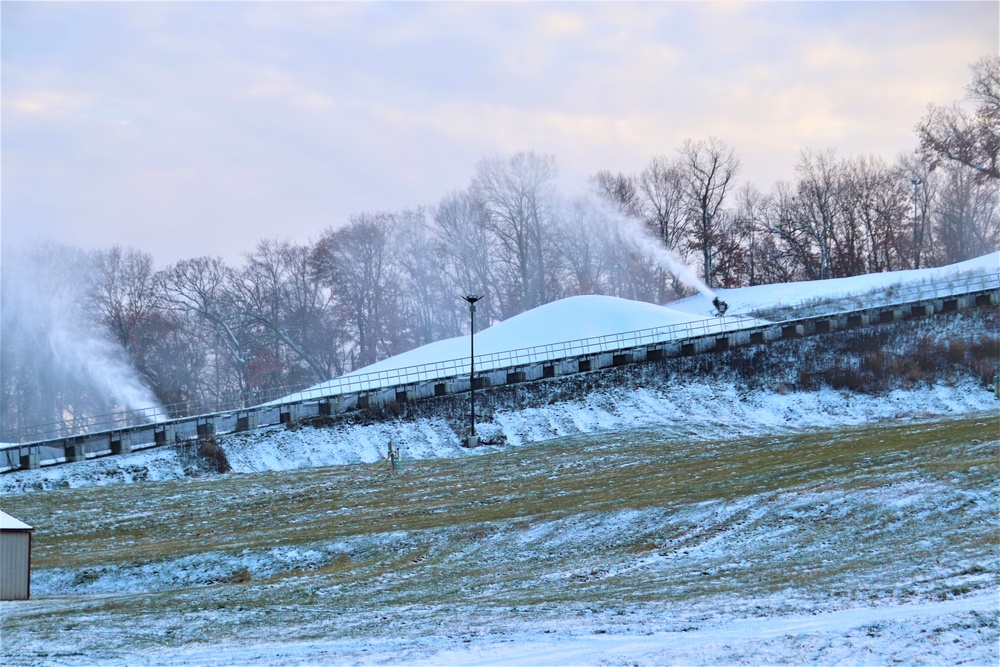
{"points": [[472, 440], [918, 228]]}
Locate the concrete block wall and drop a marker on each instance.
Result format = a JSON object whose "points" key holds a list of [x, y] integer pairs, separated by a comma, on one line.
{"points": [[857, 320], [290, 413], [165, 435], [121, 443], [74, 450], [622, 359], [247, 420], [30, 459], [206, 429]]}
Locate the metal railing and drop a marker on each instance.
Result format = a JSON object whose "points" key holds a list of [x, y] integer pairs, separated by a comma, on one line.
{"points": [[353, 383], [494, 361], [884, 297]]}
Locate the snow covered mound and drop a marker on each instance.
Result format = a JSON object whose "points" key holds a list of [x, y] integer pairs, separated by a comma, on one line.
{"points": [[568, 319], [575, 318], [583, 317], [747, 300]]}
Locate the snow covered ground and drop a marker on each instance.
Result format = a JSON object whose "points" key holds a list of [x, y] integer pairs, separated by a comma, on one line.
{"points": [[749, 300], [560, 329], [686, 519], [890, 634], [866, 545]]}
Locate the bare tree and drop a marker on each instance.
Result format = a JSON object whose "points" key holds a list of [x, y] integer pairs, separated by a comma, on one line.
{"points": [[355, 262], [263, 292], [585, 237], [923, 183], [746, 238], [710, 169], [870, 232], [310, 317], [967, 215], [426, 298], [619, 190], [808, 213], [203, 287], [124, 292], [658, 198], [462, 233], [176, 357], [59, 359], [518, 195], [663, 207], [971, 139]]}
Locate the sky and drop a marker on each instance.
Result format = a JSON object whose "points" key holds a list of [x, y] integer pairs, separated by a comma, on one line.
{"points": [[186, 129]]}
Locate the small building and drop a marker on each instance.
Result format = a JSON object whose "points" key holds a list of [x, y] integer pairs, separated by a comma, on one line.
{"points": [[15, 558]]}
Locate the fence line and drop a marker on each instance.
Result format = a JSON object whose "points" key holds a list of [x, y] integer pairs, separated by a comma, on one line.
{"points": [[354, 383]]}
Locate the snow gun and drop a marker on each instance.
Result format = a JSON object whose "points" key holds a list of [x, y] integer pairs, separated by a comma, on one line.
{"points": [[720, 306]]}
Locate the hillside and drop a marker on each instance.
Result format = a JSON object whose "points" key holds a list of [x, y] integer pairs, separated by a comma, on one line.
{"points": [[872, 545], [827, 500], [942, 365]]}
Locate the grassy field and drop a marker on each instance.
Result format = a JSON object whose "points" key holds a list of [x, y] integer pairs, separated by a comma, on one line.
{"points": [[621, 532]]}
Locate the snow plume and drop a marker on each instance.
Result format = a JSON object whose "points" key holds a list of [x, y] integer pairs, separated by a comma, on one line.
{"points": [[57, 362], [635, 236]]}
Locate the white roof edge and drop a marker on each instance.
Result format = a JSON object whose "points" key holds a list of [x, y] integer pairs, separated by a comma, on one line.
{"points": [[7, 522]]}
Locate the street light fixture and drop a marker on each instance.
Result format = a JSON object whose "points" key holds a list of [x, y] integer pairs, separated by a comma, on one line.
{"points": [[472, 439]]}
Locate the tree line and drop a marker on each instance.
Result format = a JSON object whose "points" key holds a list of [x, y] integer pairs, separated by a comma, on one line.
{"points": [[297, 313]]}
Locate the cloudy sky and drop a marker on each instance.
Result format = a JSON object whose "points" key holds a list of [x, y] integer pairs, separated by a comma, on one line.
{"points": [[187, 129]]}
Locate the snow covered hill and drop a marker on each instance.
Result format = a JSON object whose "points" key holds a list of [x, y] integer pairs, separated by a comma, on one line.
{"points": [[568, 319], [590, 317]]}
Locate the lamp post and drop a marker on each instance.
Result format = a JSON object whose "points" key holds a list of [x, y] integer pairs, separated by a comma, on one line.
{"points": [[472, 440], [918, 228]]}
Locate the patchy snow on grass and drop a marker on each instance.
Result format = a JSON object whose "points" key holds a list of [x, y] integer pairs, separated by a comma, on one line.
{"points": [[950, 632], [892, 633], [635, 547], [688, 520]]}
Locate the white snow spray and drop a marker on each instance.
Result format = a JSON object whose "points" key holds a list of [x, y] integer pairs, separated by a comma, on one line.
{"points": [[632, 233], [637, 236], [64, 359]]}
